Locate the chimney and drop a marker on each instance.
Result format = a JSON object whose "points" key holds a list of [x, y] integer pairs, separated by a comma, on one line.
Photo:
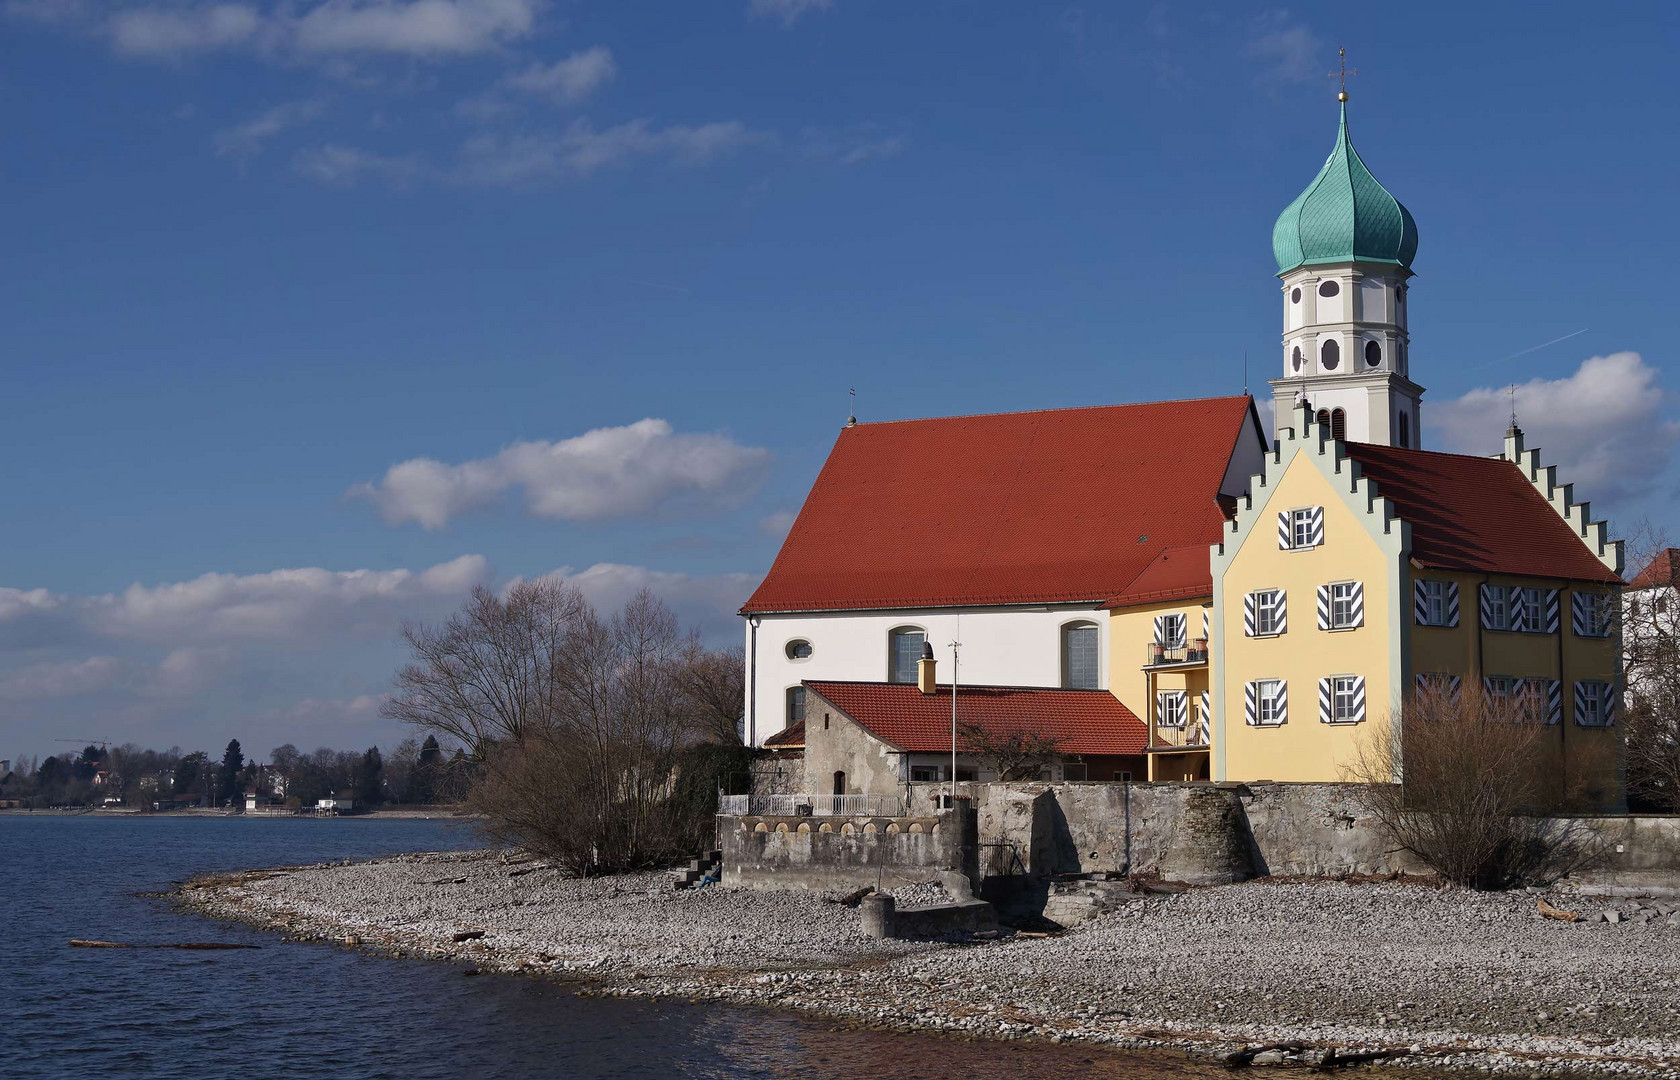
{"points": [[924, 671]]}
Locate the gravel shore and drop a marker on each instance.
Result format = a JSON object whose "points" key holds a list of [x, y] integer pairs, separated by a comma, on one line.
{"points": [[1459, 979]]}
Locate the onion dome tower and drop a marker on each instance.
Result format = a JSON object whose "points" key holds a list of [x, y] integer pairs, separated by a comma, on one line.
{"points": [[1344, 251]]}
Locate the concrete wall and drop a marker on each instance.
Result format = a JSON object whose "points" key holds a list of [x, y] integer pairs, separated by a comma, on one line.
{"points": [[1001, 646], [846, 853], [779, 774], [834, 743]]}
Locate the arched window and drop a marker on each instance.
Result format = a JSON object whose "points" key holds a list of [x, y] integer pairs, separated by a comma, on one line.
{"points": [[839, 782], [1295, 358], [1330, 354], [904, 650], [1338, 423], [1328, 289], [795, 705], [1373, 353], [1323, 418], [1081, 656], [1405, 430], [799, 649]]}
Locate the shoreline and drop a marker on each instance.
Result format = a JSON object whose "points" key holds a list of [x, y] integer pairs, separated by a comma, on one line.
{"points": [[1460, 980]]}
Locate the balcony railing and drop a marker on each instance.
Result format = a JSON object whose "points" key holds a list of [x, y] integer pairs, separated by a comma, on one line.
{"points": [[1189, 737], [812, 805], [1169, 656]]}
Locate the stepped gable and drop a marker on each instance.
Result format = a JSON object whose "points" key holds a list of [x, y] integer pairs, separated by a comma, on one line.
{"points": [[899, 714], [1477, 514], [1057, 506]]}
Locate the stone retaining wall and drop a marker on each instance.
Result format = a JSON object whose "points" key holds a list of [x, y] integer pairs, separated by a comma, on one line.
{"points": [[842, 853]]}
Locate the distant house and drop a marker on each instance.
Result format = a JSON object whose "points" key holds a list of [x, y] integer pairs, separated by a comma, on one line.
{"points": [[332, 805]]}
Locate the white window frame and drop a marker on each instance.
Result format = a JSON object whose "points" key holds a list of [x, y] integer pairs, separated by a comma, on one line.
{"points": [[1167, 712], [1268, 603], [1175, 627], [1337, 695], [1435, 601], [1533, 611], [1598, 700], [1341, 592], [1300, 529], [1265, 700], [1499, 607], [1501, 689]]}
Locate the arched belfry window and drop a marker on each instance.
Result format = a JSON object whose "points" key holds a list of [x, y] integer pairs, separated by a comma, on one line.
{"points": [[904, 650], [1323, 418], [1373, 353], [1338, 423], [1330, 354], [1081, 656]]}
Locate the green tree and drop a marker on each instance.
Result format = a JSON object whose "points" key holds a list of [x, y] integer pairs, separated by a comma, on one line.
{"points": [[427, 770], [187, 773], [370, 778], [233, 760]]}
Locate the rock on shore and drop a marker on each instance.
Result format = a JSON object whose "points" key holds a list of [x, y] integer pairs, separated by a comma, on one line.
{"points": [[1465, 979]]}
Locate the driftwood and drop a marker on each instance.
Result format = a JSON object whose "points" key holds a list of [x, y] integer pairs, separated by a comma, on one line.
{"points": [[446, 881], [1333, 1060], [84, 943], [855, 897], [1559, 914], [468, 935], [522, 871], [1242, 1058]]}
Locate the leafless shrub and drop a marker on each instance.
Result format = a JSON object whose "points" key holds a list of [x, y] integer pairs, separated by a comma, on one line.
{"points": [[1460, 781], [1012, 755]]}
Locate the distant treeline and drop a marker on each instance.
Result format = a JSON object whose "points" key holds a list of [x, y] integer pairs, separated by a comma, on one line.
{"points": [[414, 772]]}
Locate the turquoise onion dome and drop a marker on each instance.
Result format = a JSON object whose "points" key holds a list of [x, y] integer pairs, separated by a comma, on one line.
{"points": [[1344, 216]]}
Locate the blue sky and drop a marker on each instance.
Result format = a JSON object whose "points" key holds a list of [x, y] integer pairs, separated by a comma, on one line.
{"points": [[259, 254]]}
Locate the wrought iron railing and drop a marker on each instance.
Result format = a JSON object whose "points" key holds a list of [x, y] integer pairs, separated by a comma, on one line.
{"points": [[1183, 654]]}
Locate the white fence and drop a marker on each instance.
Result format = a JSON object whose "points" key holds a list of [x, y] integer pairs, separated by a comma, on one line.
{"points": [[812, 805]]}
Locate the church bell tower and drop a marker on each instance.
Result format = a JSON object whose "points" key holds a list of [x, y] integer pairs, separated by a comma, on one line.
{"points": [[1344, 251]]}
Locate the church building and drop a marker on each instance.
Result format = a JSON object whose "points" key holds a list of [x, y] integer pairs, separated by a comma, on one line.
{"points": [[1170, 592]]}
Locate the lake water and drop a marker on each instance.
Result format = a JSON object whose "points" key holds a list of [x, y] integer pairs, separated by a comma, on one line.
{"points": [[310, 1010]]}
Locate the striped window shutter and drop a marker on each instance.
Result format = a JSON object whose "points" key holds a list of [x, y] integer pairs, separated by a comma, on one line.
{"points": [[1285, 535], [1204, 722], [1205, 636], [1161, 630], [1452, 603], [1609, 704], [1326, 706], [1516, 608], [1251, 703], [1358, 607], [1487, 686], [1317, 526], [1281, 614], [1486, 592], [1580, 701], [1248, 614], [1324, 607], [1554, 701], [1455, 688], [1420, 603], [1181, 706], [1283, 703], [1580, 617], [1552, 609], [1359, 699]]}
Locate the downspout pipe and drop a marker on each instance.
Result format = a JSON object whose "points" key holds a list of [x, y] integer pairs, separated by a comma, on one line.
{"points": [[752, 685]]}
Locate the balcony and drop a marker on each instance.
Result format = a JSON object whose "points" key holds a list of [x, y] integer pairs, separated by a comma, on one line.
{"points": [[1167, 656], [1188, 737]]}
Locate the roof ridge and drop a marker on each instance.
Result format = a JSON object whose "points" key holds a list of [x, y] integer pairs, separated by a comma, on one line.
{"points": [[1053, 409], [1432, 453], [963, 686]]}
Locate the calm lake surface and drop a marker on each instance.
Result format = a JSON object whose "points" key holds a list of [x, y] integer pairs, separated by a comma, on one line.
{"points": [[302, 1010]]}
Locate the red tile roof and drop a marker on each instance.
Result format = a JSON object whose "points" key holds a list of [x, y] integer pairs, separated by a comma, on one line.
{"points": [[1086, 721], [1058, 506], [791, 737], [1181, 573], [1477, 514], [1662, 570]]}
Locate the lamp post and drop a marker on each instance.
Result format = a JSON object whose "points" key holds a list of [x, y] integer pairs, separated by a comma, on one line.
{"points": [[956, 646]]}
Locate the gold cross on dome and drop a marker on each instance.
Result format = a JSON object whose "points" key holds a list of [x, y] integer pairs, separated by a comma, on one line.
{"points": [[1343, 73]]}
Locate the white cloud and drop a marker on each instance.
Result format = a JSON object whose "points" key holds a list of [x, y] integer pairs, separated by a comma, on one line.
{"points": [[788, 11], [346, 166], [58, 679], [1605, 426], [777, 524], [855, 146], [566, 81], [604, 473], [285, 31], [15, 603], [245, 140], [1290, 54], [581, 149], [694, 598]]}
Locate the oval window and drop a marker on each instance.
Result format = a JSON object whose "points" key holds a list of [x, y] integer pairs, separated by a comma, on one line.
{"points": [[799, 649], [1329, 288], [1330, 355], [1373, 353], [1295, 295]]}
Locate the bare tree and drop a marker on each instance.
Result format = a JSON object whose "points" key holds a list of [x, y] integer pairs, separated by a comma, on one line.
{"points": [[489, 673], [1459, 779], [715, 683], [1651, 671], [1013, 755]]}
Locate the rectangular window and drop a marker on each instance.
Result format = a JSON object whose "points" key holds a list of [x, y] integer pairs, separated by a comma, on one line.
{"points": [[1496, 607], [1170, 707], [1344, 700], [1300, 529], [1268, 613], [1528, 610], [796, 705], [905, 653], [924, 773], [1501, 690], [1081, 659], [1270, 698], [1592, 704], [1345, 607], [1435, 603]]}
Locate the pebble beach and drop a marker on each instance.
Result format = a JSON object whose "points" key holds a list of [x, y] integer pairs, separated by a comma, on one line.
{"points": [[1438, 978]]}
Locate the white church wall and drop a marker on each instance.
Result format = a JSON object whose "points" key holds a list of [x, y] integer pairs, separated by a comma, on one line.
{"points": [[1000, 646]]}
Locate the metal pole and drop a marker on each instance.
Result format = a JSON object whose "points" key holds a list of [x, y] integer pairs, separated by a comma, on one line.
{"points": [[955, 645]]}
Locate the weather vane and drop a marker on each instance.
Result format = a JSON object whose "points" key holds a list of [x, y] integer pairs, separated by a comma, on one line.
{"points": [[1513, 392], [1343, 73]]}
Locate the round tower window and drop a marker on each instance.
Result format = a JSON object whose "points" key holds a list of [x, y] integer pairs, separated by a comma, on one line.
{"points": [[1373, 354], [1330, 355], [1295, 358], [1295, 295], [1329, 288]]}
